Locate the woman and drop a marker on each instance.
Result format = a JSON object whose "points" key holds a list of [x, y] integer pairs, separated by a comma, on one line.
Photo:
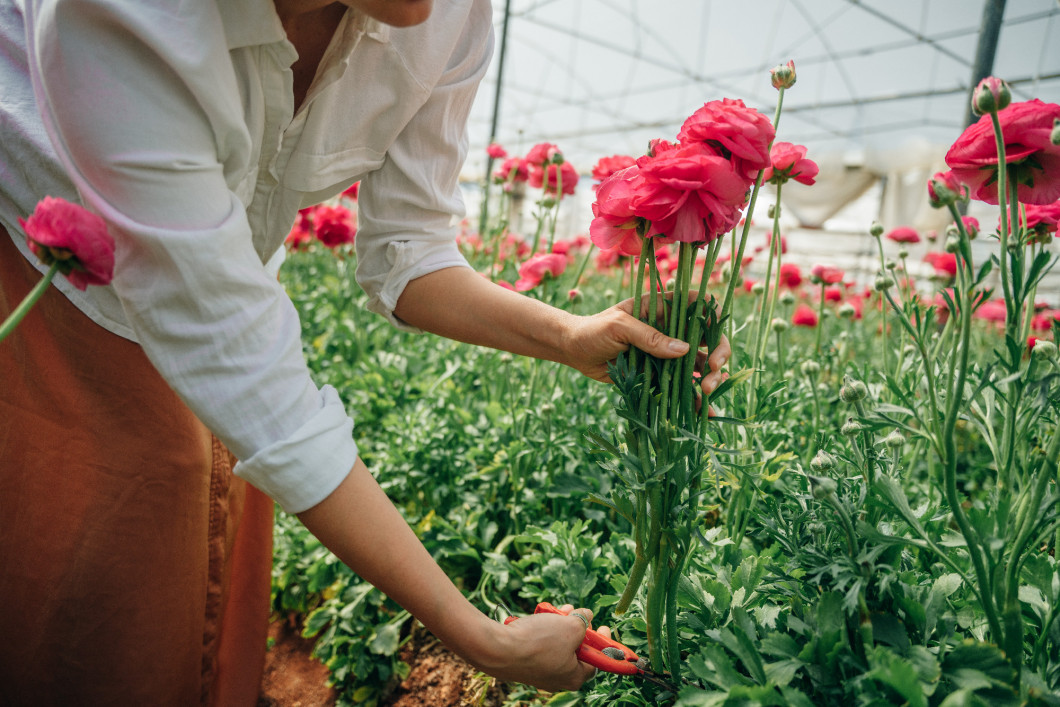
{"points": [[134, 558]]}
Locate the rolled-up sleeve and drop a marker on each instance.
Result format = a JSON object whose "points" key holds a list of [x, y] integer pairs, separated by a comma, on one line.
{"points": [[143, 109], [410, 206]]}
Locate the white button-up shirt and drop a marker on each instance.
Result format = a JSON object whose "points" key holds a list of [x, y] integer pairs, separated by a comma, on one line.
{"points": [[175, 122]]}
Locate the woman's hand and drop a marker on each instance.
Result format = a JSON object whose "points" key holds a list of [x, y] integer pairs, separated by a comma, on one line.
{"points": [[539, 650], [597, 340]]}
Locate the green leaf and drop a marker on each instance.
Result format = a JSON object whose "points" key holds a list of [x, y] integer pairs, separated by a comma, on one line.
{"points": [[386, 639], [565, 699], [899, 675]]}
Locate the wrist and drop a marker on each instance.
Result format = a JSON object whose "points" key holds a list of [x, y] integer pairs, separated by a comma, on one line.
{"points": [[480, 641]]}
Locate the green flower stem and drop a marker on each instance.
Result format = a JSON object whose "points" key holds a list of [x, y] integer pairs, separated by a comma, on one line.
{"points": [[883, 310], [929, 374], [820, 321], [953, 404], [673, 648], [1006, 467], [736, 263], [582, 266], [1002, 195], [655, 611], [28, 301]]}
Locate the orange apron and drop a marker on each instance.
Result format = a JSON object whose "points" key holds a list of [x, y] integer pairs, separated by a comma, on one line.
{"points": [[134, 568]]}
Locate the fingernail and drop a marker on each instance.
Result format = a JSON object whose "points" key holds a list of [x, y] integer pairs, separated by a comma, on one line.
{"points": [[676, 346]]}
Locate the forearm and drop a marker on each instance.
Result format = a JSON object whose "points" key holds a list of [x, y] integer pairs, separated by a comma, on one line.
{"points": [[362, 527], [459, 304]]}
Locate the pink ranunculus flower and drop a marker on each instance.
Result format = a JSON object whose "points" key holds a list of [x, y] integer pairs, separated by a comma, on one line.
{"points": [[495, 151], [944, 188], [1033, 160], [903, 234], [334, 225], [804, 316], [561, 178], [790, 275], [971, 225], [513, 169], [69, 234], [614, 225], [743, 134], [992, 311], [301, 234], [789, 161], [352, 191], [606, 166], [945, 264], [833, 294], [543, 153], [826, 274], [689, 194], [536, 267], [1044, 217]]}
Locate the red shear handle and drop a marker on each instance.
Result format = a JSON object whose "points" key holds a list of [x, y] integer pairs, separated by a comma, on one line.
{"points": [[590, 651]]}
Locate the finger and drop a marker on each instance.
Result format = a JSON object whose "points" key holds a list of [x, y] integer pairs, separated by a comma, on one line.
{"points": [[604, 631], [647, 338], [587, 614], [720, 355], [566, 608], [711, 381]]}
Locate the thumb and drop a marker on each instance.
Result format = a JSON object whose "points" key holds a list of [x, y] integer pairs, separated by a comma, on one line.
{"points": [[647, 338]]}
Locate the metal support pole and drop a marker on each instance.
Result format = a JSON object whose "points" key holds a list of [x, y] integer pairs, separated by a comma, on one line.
{"points": [[989, 30], [484, 212]]}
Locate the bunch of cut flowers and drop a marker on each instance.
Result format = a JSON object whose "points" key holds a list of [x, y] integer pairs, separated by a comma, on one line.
{"points": [[690, 192]]}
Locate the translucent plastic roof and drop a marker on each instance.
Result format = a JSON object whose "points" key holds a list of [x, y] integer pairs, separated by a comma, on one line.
{"points": [[599, 77]]}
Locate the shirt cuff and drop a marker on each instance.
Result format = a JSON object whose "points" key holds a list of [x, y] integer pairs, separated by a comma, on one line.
{"points": [[408, 261], [302, 470]]}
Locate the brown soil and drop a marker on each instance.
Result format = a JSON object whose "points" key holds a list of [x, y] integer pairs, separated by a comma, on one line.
{"points": [[293, 678], [437, 678]]}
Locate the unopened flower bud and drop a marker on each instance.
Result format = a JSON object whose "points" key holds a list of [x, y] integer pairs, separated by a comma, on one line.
{"points": [[895, 440], [822, 462], [548, 202], [773, 211], [932, 236], [991, 95], [876, 229], [671, 283], [1054, 136], [944, 189], [575, 296], [847, 311], [757, 288], [787, 297], [890, 264], [850, 428], [505, 357], [547, 409], [903, 253], [821, 486], [783, 76], [1043, 348], [810, 368], [883, 282], [852, 390], [953, 244], [779, 325]]}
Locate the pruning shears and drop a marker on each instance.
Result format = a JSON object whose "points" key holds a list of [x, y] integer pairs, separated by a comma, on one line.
{"points": [[607, 654]]}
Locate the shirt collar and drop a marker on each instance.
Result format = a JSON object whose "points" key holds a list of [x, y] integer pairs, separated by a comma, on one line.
{"points": [[254, 22]]}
